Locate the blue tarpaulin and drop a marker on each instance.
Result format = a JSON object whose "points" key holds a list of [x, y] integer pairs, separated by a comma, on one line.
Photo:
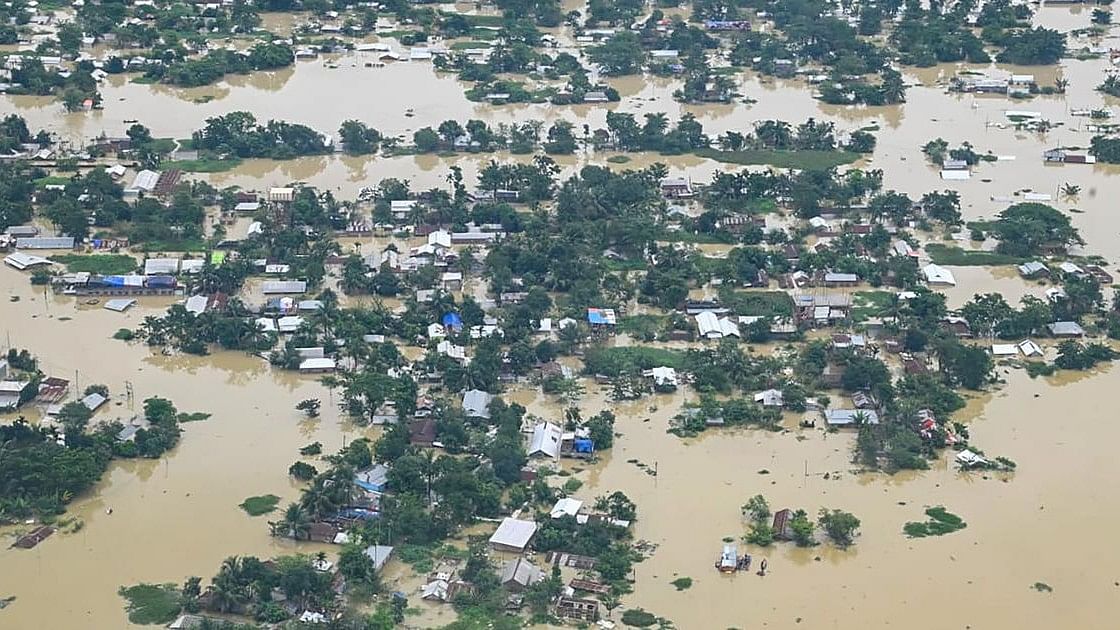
{"points": [[584, 446], [452, 320]]}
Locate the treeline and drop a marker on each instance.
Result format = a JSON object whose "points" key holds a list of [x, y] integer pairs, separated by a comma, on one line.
{"points": [[40, 473], [624, 132], [238, 134], [939, 34], [213, 66]]}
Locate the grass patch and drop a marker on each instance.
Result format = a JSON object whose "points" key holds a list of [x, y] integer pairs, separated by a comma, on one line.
{"points": [[641, 326], [256, 506], [163, 145], [629, 360], [469, 45], [682, 583], [942, 254], [485, 20], [51, 180], [871, 304], [205, 165], [194, 245], [803, 160], [941, 522], [1042, 587], [636, 264], [638, 618], [104, 264], [151, 604], [193, 417], [618, 159], [758, 303], [124, 334], [421, 558]]}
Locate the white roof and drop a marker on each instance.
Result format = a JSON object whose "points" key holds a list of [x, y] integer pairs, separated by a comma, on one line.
{"points": [[566, 507], [1004, 349], [712, 326], [1066, 328], [476, 403], [289, 323], [441, 238], [22, 261], [955, 175], [157, 266], [514, 533], [1030, 348], [545, 440], [322, 363], [196, 304], [267, 324], [664, 376], [708, 323], [968, 457], [936, 274], [120, 305], [283, 286], [146, 180], [192, 265], [436, 330], [451, 350], [1068, 267], [769, 398], [843, 417], [94, 400]]}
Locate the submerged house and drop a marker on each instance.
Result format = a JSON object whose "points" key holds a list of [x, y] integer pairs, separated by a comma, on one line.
{"points": [[476, 403], [513, 535], [373, 479], [519, 574], [850, 417], [545, 441]]}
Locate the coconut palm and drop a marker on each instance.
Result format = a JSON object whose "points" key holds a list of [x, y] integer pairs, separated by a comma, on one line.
{"points": [[295, 524]]}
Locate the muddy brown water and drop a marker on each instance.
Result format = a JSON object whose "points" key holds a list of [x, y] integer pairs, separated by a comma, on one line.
{"points": [[1050, 522]]}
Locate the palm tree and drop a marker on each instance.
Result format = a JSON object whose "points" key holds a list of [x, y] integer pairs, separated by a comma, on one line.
{"points": [[428, 465], [318, 501], [295, 524], [225, 595]]}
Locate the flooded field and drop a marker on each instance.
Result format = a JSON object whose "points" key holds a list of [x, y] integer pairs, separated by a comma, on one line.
{"points": [[1051, 522]]}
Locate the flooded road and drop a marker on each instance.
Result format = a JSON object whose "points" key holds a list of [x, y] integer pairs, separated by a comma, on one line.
{"points": [[1050, 522]]}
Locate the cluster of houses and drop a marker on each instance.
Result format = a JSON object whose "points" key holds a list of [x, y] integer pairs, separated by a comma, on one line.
{"points": [[1013, 85]]}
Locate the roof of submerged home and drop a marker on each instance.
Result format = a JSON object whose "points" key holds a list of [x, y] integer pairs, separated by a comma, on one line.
{"points": [[546, 440], [513, 533], [849, 416], [476, 403], [1066, 328], [936, 274]]}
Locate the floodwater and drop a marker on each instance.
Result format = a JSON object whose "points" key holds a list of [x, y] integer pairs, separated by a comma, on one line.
{"points": [[1050, 522], [174, 517]]}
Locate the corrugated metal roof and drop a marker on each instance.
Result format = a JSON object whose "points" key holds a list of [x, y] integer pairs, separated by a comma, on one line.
{"points": [[46, 242]]}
